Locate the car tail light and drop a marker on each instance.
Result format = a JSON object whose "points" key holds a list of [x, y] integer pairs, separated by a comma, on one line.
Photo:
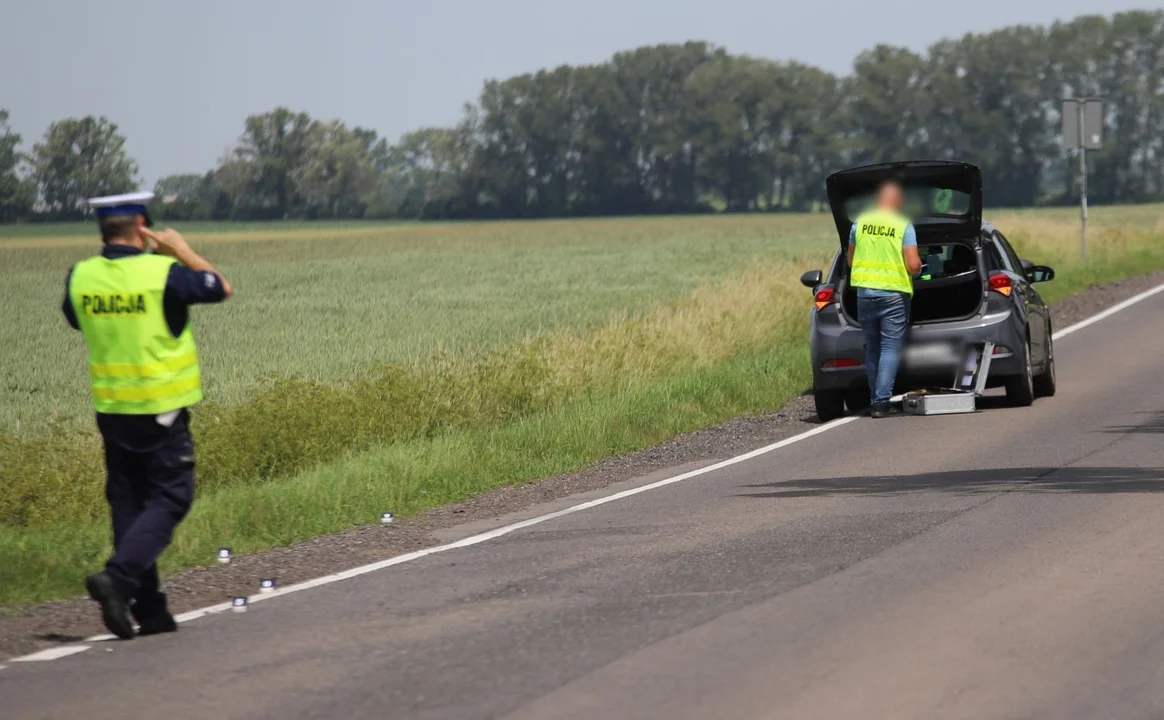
{"points": [[825, 296], [1001, 350], [842, 363], [1001, 283]]}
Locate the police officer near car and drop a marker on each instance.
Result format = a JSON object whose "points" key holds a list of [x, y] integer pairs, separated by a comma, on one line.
{"points": [[131, 305], [883, 259]]}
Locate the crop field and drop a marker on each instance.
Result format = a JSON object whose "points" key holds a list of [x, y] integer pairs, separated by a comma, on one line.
{"points": [[368, 366], [332, 303]]}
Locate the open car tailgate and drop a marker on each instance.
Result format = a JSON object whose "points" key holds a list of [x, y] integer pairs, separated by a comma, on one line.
{"points": [[939, 195]]}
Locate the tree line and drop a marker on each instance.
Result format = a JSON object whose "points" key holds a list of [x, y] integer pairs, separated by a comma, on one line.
{"points": [[668, 129]]}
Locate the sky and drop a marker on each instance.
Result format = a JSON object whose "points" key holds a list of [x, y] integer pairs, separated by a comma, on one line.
{"points": [[180, 77]]}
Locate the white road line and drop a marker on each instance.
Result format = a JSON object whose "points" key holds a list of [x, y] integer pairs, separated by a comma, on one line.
{"points": [[52, 653], [506, 530]]}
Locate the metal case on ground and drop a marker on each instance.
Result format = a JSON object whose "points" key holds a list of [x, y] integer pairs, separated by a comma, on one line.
{"points": [[947, 402], [969, 383]]}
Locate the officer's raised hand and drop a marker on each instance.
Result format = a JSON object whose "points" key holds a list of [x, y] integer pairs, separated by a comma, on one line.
{"points": [[170, 242]]}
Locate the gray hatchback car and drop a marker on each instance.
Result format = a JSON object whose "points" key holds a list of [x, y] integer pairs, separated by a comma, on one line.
{"points": [[972, 288]]}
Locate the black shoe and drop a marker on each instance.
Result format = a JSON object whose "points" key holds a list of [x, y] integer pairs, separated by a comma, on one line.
{"points": [[114, 607], [880, 410], [160, 622], [152, 616]]}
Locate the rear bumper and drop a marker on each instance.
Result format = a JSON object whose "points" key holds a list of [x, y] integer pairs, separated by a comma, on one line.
{"points": [[836, 341]]}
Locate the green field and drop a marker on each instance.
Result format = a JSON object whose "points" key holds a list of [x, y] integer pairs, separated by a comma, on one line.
{"points": [[364, 367], [332, 302]]}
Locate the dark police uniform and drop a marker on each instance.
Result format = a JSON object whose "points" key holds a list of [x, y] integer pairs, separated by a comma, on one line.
{"points": [[149, 457]]}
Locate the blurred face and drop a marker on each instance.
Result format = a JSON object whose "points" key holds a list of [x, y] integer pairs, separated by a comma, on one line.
{"points": [[891, 196]]}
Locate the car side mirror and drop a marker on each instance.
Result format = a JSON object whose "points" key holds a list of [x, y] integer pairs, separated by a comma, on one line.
{"points": [[811, 279], [1040, 273]]}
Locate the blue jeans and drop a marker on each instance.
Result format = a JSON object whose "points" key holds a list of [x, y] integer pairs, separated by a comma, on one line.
{"points": [[884, 320]]}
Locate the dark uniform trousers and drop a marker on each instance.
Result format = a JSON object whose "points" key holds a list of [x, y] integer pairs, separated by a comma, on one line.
{"points": [[150, 488]]}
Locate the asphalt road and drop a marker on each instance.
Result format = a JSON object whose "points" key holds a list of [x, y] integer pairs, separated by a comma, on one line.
{"points": [[1008, 564]]}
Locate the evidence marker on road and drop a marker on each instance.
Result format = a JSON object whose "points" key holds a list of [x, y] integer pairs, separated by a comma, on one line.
{"points": [[267, 585], [385, 518], [239, 604], [224, 555]]}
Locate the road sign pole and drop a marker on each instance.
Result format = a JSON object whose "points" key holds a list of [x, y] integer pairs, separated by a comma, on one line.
{"points": [[1082, 183], [1082, 131]]}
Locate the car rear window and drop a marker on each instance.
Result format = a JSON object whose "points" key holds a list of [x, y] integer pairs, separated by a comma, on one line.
{"points": [[921, 203]]}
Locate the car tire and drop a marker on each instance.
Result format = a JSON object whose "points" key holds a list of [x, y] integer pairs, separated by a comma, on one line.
{"points": [[1045, 383], [857, 399], [830, 404], [1020, 389]]}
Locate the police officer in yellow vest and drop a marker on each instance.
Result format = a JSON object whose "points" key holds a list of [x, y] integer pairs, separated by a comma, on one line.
{"points": [[883, 259], [132, 306]]}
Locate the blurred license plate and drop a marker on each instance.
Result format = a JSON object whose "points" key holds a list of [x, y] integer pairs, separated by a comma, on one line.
{"points": [[931, 354]]}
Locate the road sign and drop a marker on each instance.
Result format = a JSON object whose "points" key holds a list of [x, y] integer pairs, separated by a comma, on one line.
{"points": [[1083, 124]]}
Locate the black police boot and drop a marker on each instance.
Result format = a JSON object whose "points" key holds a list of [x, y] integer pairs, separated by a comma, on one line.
{"points": [[880, 410], [158, 623], [154, 618], [114, 606]]}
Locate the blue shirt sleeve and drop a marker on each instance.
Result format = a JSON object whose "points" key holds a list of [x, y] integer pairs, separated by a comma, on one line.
{"points": [[910, 237], [67, 305], [853, 235], [193, 287]]}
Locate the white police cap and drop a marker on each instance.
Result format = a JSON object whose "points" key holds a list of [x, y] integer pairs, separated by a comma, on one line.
{"points": [[128, 204]]}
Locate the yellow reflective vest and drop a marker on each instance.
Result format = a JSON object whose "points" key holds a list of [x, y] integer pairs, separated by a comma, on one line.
{"points": [[877, 259], [136, 365]]}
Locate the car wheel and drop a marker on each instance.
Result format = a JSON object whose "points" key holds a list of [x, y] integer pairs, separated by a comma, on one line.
{"points": [[857, 399], [1020, 390], [830, 404], [1045, 383]]}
